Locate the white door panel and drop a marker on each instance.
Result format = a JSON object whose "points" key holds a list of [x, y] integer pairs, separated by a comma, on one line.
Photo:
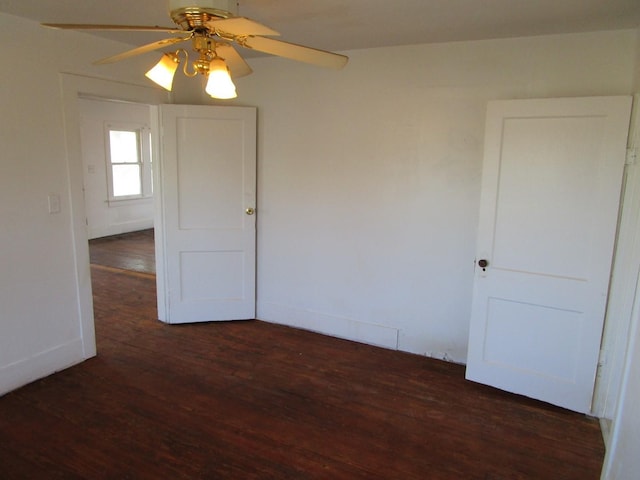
{"points": [[208, 180], [550, 196]]}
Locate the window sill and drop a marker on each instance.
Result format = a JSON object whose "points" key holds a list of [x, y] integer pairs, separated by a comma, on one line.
{"points": [[126, 202]]}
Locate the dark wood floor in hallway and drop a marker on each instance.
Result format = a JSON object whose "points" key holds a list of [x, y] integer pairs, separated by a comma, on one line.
{"points": [[133, 251], [252, 400]]}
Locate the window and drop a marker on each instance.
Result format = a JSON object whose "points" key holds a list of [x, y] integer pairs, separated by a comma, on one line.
{"points": [[128, 162]]}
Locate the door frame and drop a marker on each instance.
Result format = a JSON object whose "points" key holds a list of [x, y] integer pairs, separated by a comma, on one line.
{"points": [[619, 315], [74, 87]]}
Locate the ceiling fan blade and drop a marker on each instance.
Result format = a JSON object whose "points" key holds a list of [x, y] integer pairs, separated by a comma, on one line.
{"points": [[236, 64], [83, 26], [300, 53], [240, 26], [140, 50]]}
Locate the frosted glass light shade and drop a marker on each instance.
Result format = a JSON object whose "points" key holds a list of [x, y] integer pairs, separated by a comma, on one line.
{"points": [[162, 73], [220, 84]]}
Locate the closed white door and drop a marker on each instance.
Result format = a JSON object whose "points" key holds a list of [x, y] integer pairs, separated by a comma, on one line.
{"points": [[549, 206], [205, 241]]}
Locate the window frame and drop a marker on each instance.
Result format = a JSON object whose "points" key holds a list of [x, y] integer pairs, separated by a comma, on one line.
{"points": [[143, 133]]}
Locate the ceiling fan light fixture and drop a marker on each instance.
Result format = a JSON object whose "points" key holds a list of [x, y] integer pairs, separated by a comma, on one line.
{"points": [[219, 84], [163, 72], [210, 25]]}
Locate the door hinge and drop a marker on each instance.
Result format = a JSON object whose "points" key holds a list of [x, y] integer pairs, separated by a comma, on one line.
{"points": [[632, 156]]}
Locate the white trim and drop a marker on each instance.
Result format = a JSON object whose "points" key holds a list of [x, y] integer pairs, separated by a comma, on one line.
{"points": [[25, 371], [74, 87], [158, 218], [119, 228], [605, 429], [622, 288], [340, 327], [142, 131], [612, 459]]}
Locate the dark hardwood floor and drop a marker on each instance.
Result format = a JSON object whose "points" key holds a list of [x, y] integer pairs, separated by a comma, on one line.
{"points": [[130, 251], [252, 400]]}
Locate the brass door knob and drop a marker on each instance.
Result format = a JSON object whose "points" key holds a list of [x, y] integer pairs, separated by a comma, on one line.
{"points": [[250, 211]]}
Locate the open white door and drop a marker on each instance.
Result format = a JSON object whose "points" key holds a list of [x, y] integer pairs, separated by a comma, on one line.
{"points": [[548, 213], [205, 226]]}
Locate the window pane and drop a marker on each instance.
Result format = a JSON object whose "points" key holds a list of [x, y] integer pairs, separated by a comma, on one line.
{"points": [[123, 146], [126, 180]]}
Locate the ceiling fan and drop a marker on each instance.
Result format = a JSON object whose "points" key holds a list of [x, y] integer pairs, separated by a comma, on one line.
{"points": [[213, 27]]}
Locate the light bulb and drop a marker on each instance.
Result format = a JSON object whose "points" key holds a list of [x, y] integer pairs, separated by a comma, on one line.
{"points": [[162, 73], [220, 84]]}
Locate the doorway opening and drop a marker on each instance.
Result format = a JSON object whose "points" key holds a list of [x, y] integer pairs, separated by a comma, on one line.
{"points": [[117, 174], [117, 166], [74, 89]]}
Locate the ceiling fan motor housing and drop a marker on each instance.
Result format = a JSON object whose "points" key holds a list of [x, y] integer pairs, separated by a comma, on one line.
{"points": [[230, 7], [193, 14]]}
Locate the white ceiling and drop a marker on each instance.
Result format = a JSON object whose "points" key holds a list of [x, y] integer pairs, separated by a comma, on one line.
{"points": [[353, 24]]}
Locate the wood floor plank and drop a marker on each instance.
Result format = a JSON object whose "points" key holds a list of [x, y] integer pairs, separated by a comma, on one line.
{"points": [[134, 251], [252, 400]]}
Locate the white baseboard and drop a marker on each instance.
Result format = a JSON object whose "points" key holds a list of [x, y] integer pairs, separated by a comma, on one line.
{"points": [[341, 327], [22, 372], [605, 428], [117, 229]]}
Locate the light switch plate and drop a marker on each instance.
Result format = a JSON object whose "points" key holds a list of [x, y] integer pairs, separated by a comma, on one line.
{"points": [[54, 203]]}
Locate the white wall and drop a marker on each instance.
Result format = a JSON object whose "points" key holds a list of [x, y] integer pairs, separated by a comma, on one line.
{"points": [[40, 325], [104, 217], [369, 178]]}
